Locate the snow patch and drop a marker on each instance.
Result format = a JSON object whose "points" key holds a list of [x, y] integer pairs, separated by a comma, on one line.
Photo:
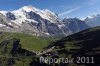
{"points": [[1, 25]]}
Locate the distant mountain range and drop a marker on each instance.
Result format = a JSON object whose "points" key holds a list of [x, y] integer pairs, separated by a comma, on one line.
{"points": [[93, 20], [31, 20]]}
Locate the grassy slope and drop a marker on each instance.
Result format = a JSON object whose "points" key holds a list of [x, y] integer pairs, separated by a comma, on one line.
{"points": [[84, 43], [87, 37], [28, 42], [87, 40]]}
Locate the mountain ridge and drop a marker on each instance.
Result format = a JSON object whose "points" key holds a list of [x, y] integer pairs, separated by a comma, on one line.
{"points": [[93, 20], [82, 44], [31, 20]]}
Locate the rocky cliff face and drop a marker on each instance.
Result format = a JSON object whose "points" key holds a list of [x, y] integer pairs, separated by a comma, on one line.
{"points": [[75, 24]]}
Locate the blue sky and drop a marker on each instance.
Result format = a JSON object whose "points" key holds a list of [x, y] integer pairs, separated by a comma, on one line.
{"points": [[64, 8]]}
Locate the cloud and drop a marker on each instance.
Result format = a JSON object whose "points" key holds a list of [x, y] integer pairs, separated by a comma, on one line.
{"points": [[69, 11]]}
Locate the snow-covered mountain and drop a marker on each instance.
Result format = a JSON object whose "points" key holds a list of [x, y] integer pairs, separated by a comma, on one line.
{"points": [[31, 20], [93, 20]]}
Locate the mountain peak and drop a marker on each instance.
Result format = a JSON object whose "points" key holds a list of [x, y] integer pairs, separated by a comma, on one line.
{"points": [[29, 8]]}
